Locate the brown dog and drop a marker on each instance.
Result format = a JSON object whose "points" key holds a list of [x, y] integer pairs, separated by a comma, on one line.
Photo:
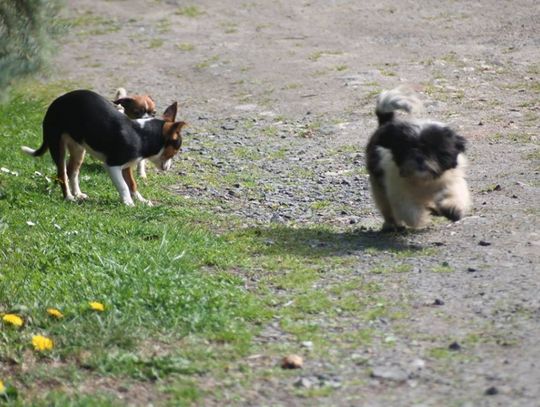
{"points": [[135, 107]]}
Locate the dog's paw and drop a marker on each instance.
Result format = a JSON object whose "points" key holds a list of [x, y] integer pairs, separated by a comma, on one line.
{"points": [[451, 213], [390, 227], [136, 195], [81, 196], [128, 201]]}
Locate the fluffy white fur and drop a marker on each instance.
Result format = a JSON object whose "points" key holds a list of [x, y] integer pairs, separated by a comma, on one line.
{"points": [[407, 194], [408, 201]]}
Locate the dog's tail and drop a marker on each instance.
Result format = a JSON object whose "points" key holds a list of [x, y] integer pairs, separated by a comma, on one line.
{"points": [[396, 99], [36, 153], [120, 93]]}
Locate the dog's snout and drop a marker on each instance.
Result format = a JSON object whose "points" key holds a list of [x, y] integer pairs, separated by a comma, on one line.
{"points": [[166, 165]]}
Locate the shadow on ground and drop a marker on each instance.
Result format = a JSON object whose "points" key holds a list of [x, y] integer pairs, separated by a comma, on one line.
{"points": [[318, 242]]}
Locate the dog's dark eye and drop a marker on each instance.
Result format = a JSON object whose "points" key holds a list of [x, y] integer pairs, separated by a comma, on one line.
{"points": [[176, 144]]}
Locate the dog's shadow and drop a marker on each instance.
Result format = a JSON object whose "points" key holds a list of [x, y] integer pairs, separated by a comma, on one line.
{"points": [[321, 242]]}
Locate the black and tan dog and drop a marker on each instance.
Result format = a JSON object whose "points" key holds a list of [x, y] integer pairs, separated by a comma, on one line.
{"points": [[82, 120]]}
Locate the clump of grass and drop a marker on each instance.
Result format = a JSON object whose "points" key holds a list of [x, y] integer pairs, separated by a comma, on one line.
{"points": [[189, 11], [88, 24], [229, 27], [185, 46], [207, 62], [155, 43], [444, 267], [315, 56]]}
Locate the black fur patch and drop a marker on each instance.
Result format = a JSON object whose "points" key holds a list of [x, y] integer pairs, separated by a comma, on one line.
{"points": [[408, 141], [90, 118]]}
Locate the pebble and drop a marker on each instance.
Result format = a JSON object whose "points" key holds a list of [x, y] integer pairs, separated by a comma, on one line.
{"points": [[491, 391], [303, 382], [228, 126], [292, 362], [418, 364], [454, 346], [484, 243], [392, 373]]}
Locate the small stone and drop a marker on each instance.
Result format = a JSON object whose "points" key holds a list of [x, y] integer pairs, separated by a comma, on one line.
{"points": [[307, 344], [303, 382], [438, 302], [418, 364], [454, 346], [491, 391], [292, 362], [471, 270], [228, 126], [389, 373], [497, 188], [276, 218], [484, 243]]}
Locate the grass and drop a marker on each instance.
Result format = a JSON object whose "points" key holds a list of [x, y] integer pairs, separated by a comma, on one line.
{"points": [[90, 24], [185, 46], [185, 291], [189, 11], [145, 264]]}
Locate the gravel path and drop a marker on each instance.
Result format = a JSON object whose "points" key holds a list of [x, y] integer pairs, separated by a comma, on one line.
{"points": [[280, 98]]}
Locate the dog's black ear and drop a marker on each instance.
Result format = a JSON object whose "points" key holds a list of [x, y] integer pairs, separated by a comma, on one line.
{"points": [[170, 113], [460, 143]]}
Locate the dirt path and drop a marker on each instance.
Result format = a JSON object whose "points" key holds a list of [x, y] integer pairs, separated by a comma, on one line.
{"points": [[280, 99]]}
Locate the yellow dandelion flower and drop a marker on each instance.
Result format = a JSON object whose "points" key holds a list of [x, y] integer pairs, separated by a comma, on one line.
{"points": [[2, 387], [53, 312], [97, 306], [42, 343], [13, 319]]}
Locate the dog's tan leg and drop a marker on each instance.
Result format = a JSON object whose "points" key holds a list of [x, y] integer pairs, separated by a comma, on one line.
{"points": [[58, 153], [127, 174], [76, 158]]}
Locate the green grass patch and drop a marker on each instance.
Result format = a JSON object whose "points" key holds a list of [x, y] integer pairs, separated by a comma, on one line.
{"points": [[89, 24], [156, 43], [185, 46], [444, 267], [394, 268], [160, 271], [189, 11]]}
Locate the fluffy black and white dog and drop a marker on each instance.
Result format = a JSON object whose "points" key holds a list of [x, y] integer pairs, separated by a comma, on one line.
{"points": [[416, 167]]}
